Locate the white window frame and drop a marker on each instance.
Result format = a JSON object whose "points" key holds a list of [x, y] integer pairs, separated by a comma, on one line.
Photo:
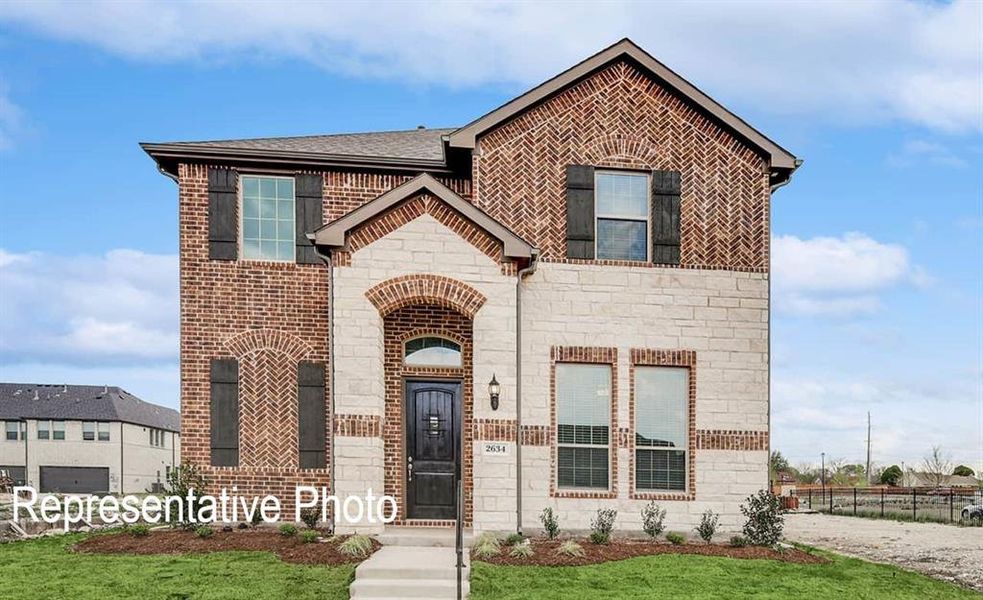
{"points": [[100, 426], [685, 448], [460, 352], [62, 431], [556, 468], [46, 429], [20, 434], [94, 428], [242, 216], [616, 217]]}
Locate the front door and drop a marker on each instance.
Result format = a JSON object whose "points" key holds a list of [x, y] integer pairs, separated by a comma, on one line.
{"points": [[432, 448]]}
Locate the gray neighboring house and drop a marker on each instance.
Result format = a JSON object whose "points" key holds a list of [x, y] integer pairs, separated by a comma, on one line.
{"points": [[85, 438]]}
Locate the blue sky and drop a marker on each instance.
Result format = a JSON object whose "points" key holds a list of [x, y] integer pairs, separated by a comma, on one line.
{"points": [[878, 241]]}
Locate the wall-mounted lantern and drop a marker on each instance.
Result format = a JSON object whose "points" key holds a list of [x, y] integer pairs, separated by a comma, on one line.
{"points": [[494, 389]]}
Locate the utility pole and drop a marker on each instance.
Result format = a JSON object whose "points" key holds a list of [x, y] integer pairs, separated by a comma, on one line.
{"points": [[868, 448]]}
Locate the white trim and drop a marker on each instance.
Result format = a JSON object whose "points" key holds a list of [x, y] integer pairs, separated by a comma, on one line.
{"points": [[686, 442], [612, 217], [242, 216]]}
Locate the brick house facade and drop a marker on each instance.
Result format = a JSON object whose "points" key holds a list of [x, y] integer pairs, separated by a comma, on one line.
{"points": [[346, 300]]}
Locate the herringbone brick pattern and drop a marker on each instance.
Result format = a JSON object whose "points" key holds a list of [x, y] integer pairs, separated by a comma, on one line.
{"points": [[619, 118], [268, 410], [438, 290]]}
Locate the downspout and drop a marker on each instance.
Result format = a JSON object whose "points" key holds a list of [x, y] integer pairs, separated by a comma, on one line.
{"points": [[528, 270], [331, 374]]}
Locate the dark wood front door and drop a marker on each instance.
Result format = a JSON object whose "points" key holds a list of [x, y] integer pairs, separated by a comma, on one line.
{"points": [[432, 448]]}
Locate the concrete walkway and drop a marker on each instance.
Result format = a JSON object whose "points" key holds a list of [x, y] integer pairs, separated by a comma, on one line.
{"points": [[413, 563]]}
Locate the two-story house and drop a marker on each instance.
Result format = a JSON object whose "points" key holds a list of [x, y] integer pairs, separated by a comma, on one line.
{"points": [[564, 303]]}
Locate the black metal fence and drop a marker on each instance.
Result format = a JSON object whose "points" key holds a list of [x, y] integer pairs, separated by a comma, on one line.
{"points": [[940, 505]]}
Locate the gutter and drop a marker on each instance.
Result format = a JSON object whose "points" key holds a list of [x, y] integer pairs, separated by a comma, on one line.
{"points": [[331, 373], [528, 270]]}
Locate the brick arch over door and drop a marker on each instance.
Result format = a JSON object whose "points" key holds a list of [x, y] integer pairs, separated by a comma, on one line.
{"points": [[268, 421], [409, 290]]}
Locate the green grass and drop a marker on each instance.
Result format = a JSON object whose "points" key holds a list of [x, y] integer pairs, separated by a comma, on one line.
{"points": [[686, 576], [46, 568]]}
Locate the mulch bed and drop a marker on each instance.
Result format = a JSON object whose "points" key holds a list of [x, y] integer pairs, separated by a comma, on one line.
{"points": [[289, 549], [620, 549]]}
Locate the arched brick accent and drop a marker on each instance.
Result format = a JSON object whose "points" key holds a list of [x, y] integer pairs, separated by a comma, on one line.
{"points": [[438, 290], [615, 149], [253, 340]]}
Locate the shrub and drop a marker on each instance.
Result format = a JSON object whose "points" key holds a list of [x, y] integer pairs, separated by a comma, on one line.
{"points": [[764, 519], [139, 530], [310, 517], [521, 551], [675, 538], [287, 530], [571, 548], [514, 538], [487, 546], [603, 523], [599, 538], [653, 519], [180, 480], [356, 546], [257, 518], [550, 523], [242, 526], [708, 525], [204, 532], [309, 536], [738, 541]]}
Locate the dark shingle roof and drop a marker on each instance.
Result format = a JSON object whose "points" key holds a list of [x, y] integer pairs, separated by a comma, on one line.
{"points": [[412, 144], [82, 403]]}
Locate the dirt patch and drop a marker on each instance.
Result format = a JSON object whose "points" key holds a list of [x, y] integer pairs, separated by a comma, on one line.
{"points": [[544, 553], [289, 549]]}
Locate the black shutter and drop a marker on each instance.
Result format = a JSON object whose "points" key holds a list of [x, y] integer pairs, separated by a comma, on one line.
{"points": [[308, 218], [665, 217], [310, 414], [580, 211], [225, 412], [223, 204]]}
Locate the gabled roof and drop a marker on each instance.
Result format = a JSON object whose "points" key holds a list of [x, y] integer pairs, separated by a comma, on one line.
{"points": [[333, 234], [466, 136], [82, 403]]}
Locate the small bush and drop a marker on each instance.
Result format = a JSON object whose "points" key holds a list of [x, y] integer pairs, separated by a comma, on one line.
{"points": [[708, 525], [180, 480], [487, 546], [257, 518], [764, 519], [603, 522], [204, 532], [599, 538], [308, 536], [288, 530], [675, 538], [356, 546], [738, 541], [551, 525], [653, 519], [139, 530], [521, 551], [514, 538], [571, 548], [310, 517]]}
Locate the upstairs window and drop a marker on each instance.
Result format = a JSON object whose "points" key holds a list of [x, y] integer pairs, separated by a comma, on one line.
{"points": [[103, 430], [432, 352], [57, 430], [268, 214], [622, 212], [583, 419], [44, 430], [661, 428], [89, 431], [13, 430]]}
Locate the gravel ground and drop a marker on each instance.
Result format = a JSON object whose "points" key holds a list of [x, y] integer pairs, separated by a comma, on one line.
{"points": [[944, 552]]}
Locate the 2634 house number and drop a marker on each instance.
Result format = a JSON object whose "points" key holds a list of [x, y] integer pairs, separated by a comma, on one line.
{"points": [[496, 449]]}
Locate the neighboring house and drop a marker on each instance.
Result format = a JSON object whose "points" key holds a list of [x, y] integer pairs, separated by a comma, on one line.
{"points": [[923, 479], [598, 248], [85, 438]]}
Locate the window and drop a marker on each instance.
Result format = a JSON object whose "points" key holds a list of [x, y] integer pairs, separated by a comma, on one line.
{"points": [[12, 429], [268, 218], [583, 417], [103, 432], [44, 430], [661, 426], [622, 212], [157, 438], [432, 351], [57, 430], [88, 431]]}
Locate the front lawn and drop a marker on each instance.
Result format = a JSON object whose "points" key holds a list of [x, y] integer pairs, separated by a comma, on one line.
{"points": [[687, 576], [46, 568]]}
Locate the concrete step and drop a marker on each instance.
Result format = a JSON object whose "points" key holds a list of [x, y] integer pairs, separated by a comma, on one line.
{"points": [[406, 588], [422, 536], [409, 572]]}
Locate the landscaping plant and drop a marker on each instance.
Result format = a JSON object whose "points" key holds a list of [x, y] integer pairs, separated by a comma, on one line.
{"points": [[310, 517], [288, 530], [487, 546], [514, 538], [738, 541], [551, 525], [139, 530], [653, 519], [764, 519], [675, 538], [204, 532], [521, 551], [180, 480], [571, 548], [602, 525], [356, 546], [708, 525], [308, 536]]}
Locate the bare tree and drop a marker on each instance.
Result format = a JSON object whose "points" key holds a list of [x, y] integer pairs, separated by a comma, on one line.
{"points": [[937, 466]]}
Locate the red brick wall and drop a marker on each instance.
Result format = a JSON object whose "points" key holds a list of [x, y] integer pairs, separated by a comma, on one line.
{"points": [[620, 118]]}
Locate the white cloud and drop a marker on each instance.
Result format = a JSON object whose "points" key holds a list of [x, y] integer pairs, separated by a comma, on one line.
{"points": [[11, 119], [858, 61], [924, 152], [838, 276], [120, 308]]}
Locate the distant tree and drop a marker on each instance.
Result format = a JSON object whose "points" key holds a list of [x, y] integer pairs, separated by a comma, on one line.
{"points": [[963, 471], [891, 476], [937, 467]]}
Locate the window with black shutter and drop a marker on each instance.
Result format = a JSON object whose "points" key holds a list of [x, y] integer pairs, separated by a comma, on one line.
{"points": [[311, 415], [666, 203], [225, 412], [222, 214]]}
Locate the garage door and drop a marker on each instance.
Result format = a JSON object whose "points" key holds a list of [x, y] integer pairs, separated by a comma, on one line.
{"points": [[18, 474], [76, 480]]}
